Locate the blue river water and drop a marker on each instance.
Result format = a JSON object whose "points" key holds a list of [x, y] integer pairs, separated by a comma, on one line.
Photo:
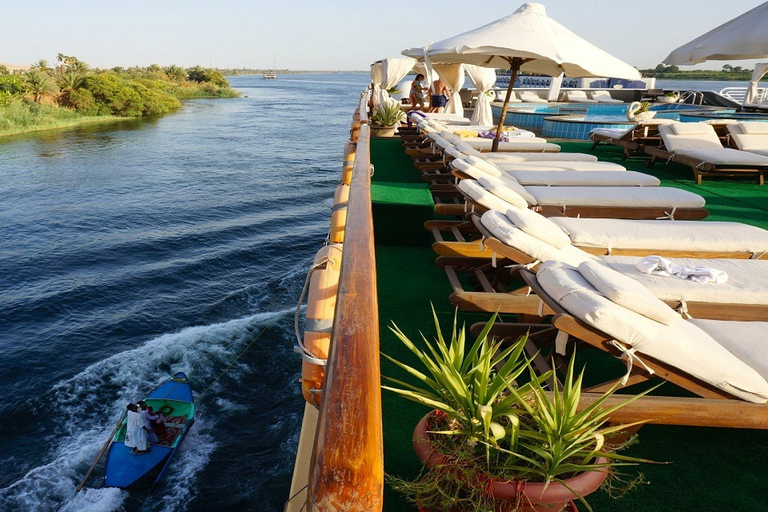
{"points": [[180, 243]]}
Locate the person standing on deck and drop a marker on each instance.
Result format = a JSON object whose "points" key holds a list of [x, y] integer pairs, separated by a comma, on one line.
{"points": [[136, 431], [440, 94], [417, 92]]}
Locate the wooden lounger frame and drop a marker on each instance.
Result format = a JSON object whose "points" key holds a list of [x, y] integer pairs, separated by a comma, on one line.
{"points": [[714, 408], [607, 212], [702, 168], [493, 293], [633, 141]]}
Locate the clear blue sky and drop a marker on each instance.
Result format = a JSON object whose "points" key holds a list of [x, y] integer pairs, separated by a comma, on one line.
{"points": [[326, 34]]}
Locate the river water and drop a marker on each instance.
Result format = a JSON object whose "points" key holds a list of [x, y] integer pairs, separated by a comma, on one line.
{"points": [[137, 250]]}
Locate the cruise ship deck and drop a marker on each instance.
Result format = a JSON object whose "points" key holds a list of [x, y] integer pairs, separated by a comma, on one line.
{"points": [[708, 468]]}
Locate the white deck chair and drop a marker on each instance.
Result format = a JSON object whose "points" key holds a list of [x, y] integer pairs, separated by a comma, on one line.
{"points": [[698, 146], [578, 97], [750, 136], [604, 97]]}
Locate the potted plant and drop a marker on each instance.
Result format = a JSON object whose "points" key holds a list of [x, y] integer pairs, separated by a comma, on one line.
{"points": [[385, 119], [493, 443]]}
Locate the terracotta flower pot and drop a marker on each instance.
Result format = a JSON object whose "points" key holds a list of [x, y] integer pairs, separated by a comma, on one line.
{"points": [[531, 496]]}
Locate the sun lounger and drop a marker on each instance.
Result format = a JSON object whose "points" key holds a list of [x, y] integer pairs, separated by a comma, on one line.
{"points": [[631, 140], [514, 144], [561, 174], [604, 97], [582, 201], [750, 136], [698, 146], [531, 241], [531, 97], [711, 358], [578, 97]]}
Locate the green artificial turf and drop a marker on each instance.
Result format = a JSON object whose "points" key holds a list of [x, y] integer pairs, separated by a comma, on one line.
{"points": [[708, 469]]}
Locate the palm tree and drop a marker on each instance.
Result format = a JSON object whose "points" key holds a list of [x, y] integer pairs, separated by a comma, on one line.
{"points": [[68, 83], [41, 65], [40, 86], [176, 73]]}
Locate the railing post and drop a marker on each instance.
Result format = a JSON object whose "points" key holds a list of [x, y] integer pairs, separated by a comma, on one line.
{"points": [[347, 471]]}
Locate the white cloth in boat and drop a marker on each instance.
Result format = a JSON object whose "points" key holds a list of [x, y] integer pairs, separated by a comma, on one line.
{"points": [[683, 344], [688, 235], [135, 432], [664, 267], [747, 283]]}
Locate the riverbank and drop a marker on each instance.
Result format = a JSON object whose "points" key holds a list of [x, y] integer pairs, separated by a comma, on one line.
{"points": [[61, 124]]}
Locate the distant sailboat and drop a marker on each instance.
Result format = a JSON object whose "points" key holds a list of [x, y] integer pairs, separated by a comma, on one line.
{"points": [[271, 75]]}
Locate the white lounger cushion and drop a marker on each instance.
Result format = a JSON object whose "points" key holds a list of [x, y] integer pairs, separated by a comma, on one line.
{"points": [[538, 157], [753, 127], [507, 189], [455, 138], [559, 166], [481, 196], [626, 292], [745, 340], [604, 97], [725, 156], [539, 226], [683, 345], [747, 280], [521, 145], [502, 228], [585, 178], [659, 197], [704, 236], [680, 136], [757, 144]]}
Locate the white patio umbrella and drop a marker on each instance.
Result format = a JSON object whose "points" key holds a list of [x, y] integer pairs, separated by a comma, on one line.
{"points": [[744, 37], [530, 41]]}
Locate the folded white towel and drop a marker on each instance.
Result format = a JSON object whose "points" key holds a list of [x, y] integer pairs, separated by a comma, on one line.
{"points": [[656, 265]]}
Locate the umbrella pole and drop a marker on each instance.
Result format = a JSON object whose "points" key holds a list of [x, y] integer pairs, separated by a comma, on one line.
{"points": [[513, 69]]}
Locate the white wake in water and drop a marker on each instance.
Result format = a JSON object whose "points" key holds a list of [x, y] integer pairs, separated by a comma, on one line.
{"points": [[87, 406]]}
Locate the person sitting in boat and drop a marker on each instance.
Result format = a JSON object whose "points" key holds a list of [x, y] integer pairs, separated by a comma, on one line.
{"points": [[136, 431], [439, 98], [154, 421], [417, 92]]}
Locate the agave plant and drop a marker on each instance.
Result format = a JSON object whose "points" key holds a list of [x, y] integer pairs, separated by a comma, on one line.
{"points": [[496, 428], [388, 115]]}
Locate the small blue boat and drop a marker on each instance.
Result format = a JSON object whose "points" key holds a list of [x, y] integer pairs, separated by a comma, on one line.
{"points": [[174, 399]]}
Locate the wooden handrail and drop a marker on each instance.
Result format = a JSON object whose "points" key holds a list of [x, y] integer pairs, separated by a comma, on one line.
{"points": [[347, 472]]}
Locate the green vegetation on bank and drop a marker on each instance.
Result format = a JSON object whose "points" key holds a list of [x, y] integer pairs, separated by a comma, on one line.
{"points": [[728, 73], [70, 93]]}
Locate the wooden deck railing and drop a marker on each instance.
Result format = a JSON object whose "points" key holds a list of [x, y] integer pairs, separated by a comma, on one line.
{"points": [[347, 472]]}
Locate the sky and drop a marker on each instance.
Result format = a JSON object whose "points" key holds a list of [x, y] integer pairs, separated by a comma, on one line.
{"points": [[327, 34]]}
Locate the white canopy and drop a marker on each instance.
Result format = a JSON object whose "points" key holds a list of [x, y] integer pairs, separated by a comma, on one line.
{"points": [[386, 74], [483, 79], [528, 34], [744, 37], [527, 40], [761, 68]]}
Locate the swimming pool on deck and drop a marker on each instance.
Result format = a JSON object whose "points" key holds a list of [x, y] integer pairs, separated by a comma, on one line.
{"points": [[576, 120]]}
